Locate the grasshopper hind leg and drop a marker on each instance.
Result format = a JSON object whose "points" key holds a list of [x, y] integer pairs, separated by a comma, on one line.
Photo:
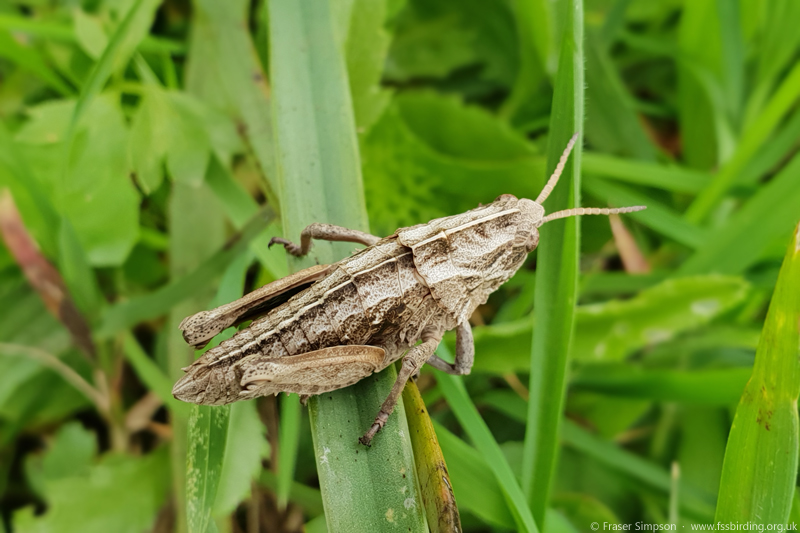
{"points": [[324, 232], [412, 362]]}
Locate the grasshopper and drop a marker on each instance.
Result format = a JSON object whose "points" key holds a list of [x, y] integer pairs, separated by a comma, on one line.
{"points": [[329, 326]]}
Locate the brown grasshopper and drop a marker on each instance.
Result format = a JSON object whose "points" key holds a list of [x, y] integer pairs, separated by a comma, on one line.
{"points": [[329, 326]]}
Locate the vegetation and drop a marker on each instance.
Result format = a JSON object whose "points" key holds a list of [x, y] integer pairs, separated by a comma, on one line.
{"points": [[637, 369]]}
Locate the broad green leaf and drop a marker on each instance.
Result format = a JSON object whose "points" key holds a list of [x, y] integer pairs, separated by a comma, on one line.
{"points": [[120, 493], [609, 331], [556, 274], [320, 181], [612, 330], [95, 187], [365, 51], [712, 386], [760, 469], [434, 39]]}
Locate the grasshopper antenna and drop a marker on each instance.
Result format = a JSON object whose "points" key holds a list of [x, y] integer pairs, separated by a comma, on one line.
{"points": [[551, 183], [591, 211]]}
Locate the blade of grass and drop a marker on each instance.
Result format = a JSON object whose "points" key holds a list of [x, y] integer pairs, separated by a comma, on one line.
{"points": [[752, 140], [197, 231], [319, 179], [226, 71], [694, 501], [698, 38], [28, 58], [733, 247], [556, 276], [457, 398], [533, 21], [711, 387], [122, 43], [66, 33], [671, 178], [434, 479], [760, 469], [288, 439], [611, 122], [151, 375], [474, 484], [151, 305], [657, 216]]}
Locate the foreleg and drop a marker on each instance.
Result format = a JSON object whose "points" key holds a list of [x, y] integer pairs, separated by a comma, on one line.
{"points": [[324, 232], [412, 362], [465, 353]]}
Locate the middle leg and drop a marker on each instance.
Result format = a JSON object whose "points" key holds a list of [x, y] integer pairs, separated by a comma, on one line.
{"points": [[324, 232], [465, 353]]}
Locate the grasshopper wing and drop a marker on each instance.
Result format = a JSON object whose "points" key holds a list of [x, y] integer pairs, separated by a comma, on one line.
{"points": [[314, 372], [200, 328]]}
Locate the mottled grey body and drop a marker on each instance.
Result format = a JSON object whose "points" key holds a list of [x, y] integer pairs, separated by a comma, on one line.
{"points": [[355, 317], [428, 277]]}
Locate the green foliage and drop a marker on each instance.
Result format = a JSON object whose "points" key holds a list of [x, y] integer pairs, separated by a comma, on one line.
{"points": [[758, 476], [153, 148]]}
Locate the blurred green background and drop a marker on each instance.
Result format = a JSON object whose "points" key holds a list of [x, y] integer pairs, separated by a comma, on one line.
{"points": [[141, 178]]}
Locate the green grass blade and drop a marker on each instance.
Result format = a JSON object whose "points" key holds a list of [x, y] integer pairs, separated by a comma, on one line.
{"points": [[456, 394], [154, 304], [556, 275], [208, 430], [760, 468], [752, 140], [474, 484], [151, 375], [535, 46], [657, 216], [670, 178], [288, 439], [319, 180], [197, 231], [737, 245], [694, 501], [30, 59], [125, 39], [612, 124], [228, 72], [434, 479]]}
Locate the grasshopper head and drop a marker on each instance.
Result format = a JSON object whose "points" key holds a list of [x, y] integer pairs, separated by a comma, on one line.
{"points": [[205, 384]]}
